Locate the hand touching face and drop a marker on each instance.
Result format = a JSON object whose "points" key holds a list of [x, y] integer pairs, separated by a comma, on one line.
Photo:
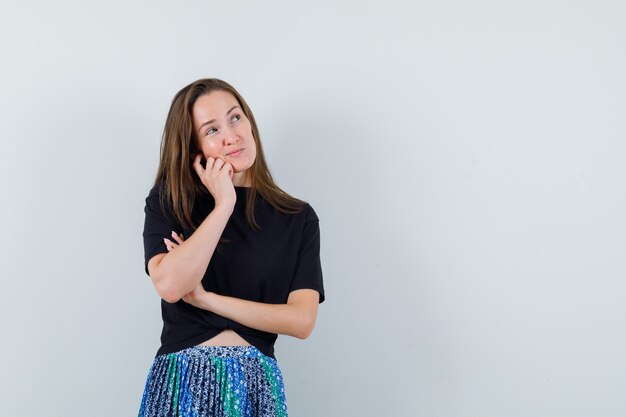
{"points": [[217, 178], [224, 132]]}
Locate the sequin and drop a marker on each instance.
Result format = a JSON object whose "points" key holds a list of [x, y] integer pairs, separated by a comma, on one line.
{"points": [[214, 381]]}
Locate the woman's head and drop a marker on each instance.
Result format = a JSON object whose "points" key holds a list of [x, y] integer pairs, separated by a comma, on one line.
{"points": [[203, 120], [222, 130], [187, 134]]}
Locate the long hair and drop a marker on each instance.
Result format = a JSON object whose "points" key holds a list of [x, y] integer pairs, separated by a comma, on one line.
{"points": [[180, 184]]}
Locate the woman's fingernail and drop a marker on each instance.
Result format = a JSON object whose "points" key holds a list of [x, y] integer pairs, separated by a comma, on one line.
{"points": [[173, 233]]}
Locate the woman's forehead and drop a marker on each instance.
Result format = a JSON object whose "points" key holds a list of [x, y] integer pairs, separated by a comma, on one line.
{"points": [[214, 105], [216, 100]]}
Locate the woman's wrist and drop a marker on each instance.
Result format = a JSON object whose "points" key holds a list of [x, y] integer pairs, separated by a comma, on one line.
{"points": [[225, 207], [208, 300]]}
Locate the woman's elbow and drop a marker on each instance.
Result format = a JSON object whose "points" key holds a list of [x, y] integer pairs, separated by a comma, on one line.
{"points": [[169, 294], [160, 279], [165, 289], [306, 328]]}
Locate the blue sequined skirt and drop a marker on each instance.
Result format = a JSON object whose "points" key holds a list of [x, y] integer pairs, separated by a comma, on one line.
{"points": [[215, 381]]}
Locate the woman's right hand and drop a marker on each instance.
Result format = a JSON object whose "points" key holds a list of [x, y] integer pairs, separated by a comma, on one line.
{"points": [[217, 178]]}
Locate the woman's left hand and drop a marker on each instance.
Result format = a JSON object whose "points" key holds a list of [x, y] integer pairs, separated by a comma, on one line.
{"points": [[198, 296]]}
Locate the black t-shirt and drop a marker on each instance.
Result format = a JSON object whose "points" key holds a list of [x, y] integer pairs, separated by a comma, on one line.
{"points": [[258, 265]]}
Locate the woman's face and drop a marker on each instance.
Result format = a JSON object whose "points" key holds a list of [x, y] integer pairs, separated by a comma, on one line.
{"points": [[221, 128]]}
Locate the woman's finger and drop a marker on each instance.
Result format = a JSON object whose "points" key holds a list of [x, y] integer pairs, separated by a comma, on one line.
{"points": [[169, 244], [197, 166], [229, 167], [177, 237]]}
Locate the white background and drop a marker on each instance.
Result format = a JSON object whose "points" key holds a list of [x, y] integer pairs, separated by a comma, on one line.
{"points": [[466, 160]]}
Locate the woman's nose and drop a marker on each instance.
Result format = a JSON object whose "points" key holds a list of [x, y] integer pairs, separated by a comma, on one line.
{"points": [[228, 135]]}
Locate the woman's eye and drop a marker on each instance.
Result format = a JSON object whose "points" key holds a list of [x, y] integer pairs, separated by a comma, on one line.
{"points": [[235, 118]]}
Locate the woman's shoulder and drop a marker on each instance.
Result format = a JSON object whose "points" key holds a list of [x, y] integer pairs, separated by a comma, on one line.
{"points": [[309, 212], [155, 190], [156, 200], [289, 207], [306, 210], [152, 196]]}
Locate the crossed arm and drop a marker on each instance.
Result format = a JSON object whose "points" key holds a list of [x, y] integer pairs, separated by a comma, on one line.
{"points": [[296, 318]]}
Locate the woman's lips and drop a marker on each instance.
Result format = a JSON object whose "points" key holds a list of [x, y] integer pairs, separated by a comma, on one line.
{"points": [[236, 153]]}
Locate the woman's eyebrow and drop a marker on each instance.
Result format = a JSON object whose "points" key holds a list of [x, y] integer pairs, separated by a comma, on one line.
{"points": [[211, 121]]}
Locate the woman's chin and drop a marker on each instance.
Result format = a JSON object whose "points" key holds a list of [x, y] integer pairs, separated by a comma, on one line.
{"points": [[241, 166]]}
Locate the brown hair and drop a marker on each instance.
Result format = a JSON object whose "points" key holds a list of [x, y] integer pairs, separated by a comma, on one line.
{"points": [[176, 175]]}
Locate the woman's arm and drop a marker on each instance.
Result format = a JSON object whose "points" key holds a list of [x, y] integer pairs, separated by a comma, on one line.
{"points": [[177, 272], [296, 318]]}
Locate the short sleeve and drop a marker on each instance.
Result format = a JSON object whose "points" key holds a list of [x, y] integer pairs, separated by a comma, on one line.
{"points": [[156, 227], [308, 267]]}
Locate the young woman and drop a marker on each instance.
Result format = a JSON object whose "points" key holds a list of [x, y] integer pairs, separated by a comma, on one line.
{"points": [[234, 258]]}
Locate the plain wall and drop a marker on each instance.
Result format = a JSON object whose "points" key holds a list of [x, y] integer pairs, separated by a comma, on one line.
{"points": [[466, 160]]}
